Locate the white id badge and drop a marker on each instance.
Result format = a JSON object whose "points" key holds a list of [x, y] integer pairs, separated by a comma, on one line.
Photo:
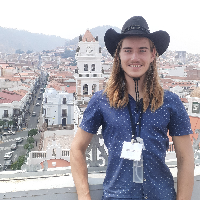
{"points": [[131, 151]]}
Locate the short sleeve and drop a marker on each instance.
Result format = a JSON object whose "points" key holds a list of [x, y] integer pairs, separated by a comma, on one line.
{"points": [[92, 117], [179, 120]]}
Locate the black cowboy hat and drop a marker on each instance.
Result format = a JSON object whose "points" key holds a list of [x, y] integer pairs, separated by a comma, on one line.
{"points": [[136, 26]]}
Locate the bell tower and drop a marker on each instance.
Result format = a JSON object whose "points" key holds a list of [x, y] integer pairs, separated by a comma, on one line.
{"points": [[89, 77]]}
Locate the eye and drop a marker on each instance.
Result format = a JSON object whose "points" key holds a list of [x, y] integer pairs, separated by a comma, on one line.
{"points": [[127, 50], [142, 50]]}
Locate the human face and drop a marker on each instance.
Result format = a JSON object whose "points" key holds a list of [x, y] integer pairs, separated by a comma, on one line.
{"points": [[136, 56]]}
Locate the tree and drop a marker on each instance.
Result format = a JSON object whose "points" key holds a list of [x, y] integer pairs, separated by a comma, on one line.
{"points": [[17, 165], [73, 63], [10, 123], [68, 53], [28, 146], [30, 140], [19, 51], [2, 123], [29, 51], [32, 132]]}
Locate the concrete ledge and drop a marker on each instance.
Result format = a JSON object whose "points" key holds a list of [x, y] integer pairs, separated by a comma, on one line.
{"points": [[39, 173], [70, 193], [53, 194], [53, 185]]}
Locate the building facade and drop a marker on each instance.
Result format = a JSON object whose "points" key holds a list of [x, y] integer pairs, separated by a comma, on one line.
{"points": [[89, 77], [58, 107]]}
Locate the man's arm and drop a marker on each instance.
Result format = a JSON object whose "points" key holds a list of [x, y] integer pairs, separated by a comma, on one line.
{"points": [[78, 163], [185, 165]]}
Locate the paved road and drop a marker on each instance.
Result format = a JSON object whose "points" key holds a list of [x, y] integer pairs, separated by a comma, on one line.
{"points": [[7, 141]]}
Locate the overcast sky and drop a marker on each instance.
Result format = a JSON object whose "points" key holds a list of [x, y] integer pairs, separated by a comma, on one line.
{"points": [[70, 18]]}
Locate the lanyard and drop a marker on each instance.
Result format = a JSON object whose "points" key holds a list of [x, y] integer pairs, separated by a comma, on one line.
{"points": [[134, 125]]}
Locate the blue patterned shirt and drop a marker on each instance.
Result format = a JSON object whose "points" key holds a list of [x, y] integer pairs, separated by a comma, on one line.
{"points": [[116, 128]]}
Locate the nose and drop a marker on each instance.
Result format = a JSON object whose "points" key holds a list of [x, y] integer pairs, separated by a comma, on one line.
{"points": [[134, 56]]}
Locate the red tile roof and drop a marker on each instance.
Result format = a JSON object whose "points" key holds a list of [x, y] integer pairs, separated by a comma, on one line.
{"points": [[184, 100], [9, 96]]}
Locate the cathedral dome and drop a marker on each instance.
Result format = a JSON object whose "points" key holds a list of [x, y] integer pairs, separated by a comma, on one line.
{"points": [[52, 92]]}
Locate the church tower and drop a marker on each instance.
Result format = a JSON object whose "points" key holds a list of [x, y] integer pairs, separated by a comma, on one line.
{"points": [[89, 77]]}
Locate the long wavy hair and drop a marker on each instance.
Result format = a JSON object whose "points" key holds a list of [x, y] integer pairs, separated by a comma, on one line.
{"points": [[116, 87]]}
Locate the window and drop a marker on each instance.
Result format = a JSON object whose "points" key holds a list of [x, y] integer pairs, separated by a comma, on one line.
{"points": [[54, 152], [85, 67], [94, 88], [16, 111], [5, 113], [64, 100], [93, 67], [45, 100], [64, 112], [85, 89]]}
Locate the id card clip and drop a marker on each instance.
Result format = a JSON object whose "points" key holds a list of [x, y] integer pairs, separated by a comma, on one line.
{"points": [[133, 141]]}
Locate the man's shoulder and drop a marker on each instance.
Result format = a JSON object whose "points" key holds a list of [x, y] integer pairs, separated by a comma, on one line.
{"points": [[99, 94], [172, 99], [170, 95]]}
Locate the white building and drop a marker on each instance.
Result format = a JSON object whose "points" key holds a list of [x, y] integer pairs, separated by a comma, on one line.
{"points": [[178, 71], [179, 91], [12, 107], [55, 150], [89, 77], [58, 107]]}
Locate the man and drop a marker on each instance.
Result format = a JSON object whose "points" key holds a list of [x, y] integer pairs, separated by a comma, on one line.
{"points": [[136, 114]]}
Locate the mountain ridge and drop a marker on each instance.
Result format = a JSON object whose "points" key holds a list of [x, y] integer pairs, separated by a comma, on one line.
{"points": [[13, 39]]}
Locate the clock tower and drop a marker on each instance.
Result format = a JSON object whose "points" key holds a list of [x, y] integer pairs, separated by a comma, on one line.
{"points": [[89, 77]]}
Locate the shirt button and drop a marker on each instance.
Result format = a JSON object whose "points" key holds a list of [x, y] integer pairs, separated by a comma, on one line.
{"points": [[146, 197], [144, 179]]}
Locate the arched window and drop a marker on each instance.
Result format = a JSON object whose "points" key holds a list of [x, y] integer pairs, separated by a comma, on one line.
{"points": [[85, 89], [93, 67]]}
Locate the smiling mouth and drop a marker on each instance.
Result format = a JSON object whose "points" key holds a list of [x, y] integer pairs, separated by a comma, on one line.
{"points": [[135, 66]]}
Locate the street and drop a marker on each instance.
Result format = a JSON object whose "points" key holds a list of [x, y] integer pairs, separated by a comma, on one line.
{"points": [[7, 141]]}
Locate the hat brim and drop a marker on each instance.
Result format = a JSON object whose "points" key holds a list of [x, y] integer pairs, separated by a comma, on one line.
{"points": [[160, 39]]}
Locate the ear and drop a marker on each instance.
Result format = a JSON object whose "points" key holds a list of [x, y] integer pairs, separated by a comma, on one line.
{"points": [[153, 54]]}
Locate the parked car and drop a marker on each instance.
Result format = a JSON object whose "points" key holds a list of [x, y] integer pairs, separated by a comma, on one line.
{"points": [[39, 98], [33, 114], [13, 146], [7, 164], [37, 104], [8, 155], [19, 140], [9, 133]]}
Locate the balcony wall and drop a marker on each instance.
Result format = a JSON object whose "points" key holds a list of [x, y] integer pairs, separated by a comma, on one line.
{"points": [[58, 184]]}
